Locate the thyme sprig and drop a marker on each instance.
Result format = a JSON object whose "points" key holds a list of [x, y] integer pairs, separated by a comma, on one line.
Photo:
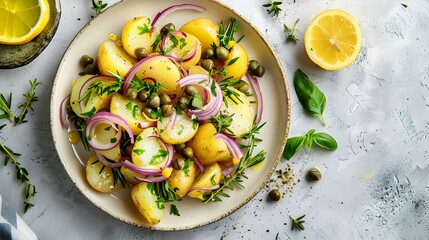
{"points": [[298, 223], [21, 175], [31, 98], [273, 7], [291, 36], [98, 6], [226, 34], [5, 107]]}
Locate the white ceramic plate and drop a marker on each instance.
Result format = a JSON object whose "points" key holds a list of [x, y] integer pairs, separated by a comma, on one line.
{"points": [[193, 212]]}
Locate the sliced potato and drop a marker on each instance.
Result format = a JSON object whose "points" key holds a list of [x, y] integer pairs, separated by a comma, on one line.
{"points": [[237, 62], [113, 58], [197, 70], [130, 110], [145, 202], [242, 113], [182, 130], [181, 180], [204, 29], [206, 148], [106, 134], [130, 176], [210, 177], [148, 151], [184, 47], [101, 181], [136, 34]]}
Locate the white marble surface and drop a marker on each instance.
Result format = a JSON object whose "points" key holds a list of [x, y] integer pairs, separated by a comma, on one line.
{"points": [[375, 185]]}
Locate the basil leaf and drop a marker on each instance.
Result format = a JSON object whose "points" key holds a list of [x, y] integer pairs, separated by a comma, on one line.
{"points": [[309, 139], [325, 141], [309, 95], [292, 146]]}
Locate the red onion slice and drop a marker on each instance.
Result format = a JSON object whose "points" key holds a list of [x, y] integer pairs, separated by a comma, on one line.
{"points": [[141, 170], [214, 187], [161, 15], [63, 113], [105, 162], [232, 146], [173, 120], [259, 100], [151, 179], [199, 164]]}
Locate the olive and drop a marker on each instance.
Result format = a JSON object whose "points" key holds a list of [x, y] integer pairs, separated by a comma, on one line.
{"points": [[222, 53], [179, 147], [91, 69], [167, 110], [253, 64], [167, 28], [154, 102], [207, 64], [207, 53], [179, 163], [191, 90], [187, 152], [183, 102], [243, 86], [85, 60], [141, 53], [164, 99], [259, 71], [274, 195], [143, 95], [131, 93], [147, 111]]}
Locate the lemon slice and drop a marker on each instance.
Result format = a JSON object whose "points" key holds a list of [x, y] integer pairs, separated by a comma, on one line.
{"points": [[333, 39], [22, 20]]}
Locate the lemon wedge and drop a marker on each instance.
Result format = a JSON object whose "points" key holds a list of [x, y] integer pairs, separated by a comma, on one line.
{"points": [[333, 39], [22, 20]]}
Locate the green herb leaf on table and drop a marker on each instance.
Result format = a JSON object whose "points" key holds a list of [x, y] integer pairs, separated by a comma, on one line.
{"points": [[309, 95], [27, 105], [5, 107], [293, 145], [291, 36], [273, 7], [298, 223], [98, 6], [323, 140]]}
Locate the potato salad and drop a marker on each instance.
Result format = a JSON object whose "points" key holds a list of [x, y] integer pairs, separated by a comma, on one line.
{"points": [[169, 112]]}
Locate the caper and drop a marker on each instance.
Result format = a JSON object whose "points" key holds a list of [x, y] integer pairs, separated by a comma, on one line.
{"points": [[141, 53], [167, 110], [253, 64], [91, 69], [164, 99], [207, 53], [179, 147], [274, 195], [259, 71], [243, 86], [187, 152], [154, 102], [85, 60], [207, 64], [147, 111], [179, 163], [167, 28], [131, 93], [143, 95], [222, 53], [191, 90], [313, 174], [183, 102]]}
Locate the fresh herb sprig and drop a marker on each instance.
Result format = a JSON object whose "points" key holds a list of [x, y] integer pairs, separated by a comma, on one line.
{"points": [[309, 95], [5, 107], [273, 7], [298, 223], [98, 6], [323, 140], [21, 175], [222, 121], [291, 32], [30, 98], [163, 192], [226, 35]]}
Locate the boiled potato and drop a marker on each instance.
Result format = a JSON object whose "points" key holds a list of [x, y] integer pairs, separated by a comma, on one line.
{"points": [[106, 134], [210, 177], [130, 111], [130, 176], [101, 181], [204, 29], [113, 58], [137, 34], [184, 48], [237, 69], [95, 101], [145, 202], [148, 151], [181, 180], [182, 130], [242, 113], [206, 148]]}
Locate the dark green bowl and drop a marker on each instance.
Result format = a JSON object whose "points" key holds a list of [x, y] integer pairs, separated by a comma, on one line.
{"points": [[13, 56]]}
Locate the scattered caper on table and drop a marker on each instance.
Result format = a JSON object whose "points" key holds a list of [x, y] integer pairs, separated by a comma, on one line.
{"points": [[313, 174], [274, 195]]}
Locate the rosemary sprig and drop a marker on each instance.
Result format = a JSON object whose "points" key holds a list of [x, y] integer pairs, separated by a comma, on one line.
{"points": [[163, 192], [31, 97], [226, 34], [21, 175], [273, 7], [291, 36], [298, 223], [5, 107], [98, 6], [222, 121]]}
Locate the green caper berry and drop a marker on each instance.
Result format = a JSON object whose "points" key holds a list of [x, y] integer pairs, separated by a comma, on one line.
{"points": [[187, 152], [147, 111], [167, 28], [85, 60], [91, 69], [141, 53], [274, 195], [154, 102], [243, 86], [191, 90], [179, 164], [167, 110], [131, 93], [207, 64], [179, 147], [183, 102], [313, 174], [222, 53], [253, 64], [207, 53], [165, 99], [143, 95], [259, 71]]}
